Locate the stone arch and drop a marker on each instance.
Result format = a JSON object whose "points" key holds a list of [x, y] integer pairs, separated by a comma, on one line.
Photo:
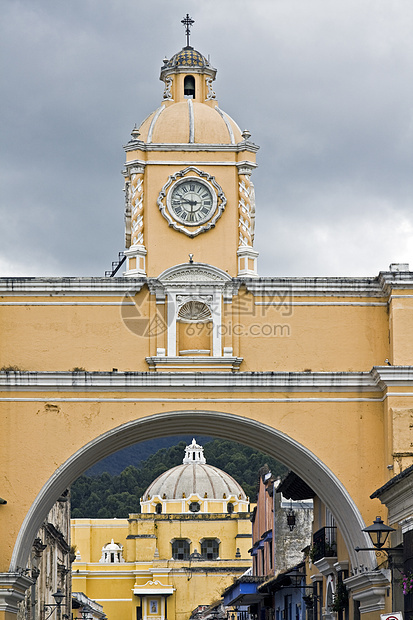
{"points": [[249, 432]]}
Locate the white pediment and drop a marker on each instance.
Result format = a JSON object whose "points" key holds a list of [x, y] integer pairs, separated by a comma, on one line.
{"points": [[194, 272]]}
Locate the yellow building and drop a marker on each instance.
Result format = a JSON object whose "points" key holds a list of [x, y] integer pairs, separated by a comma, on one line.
{"points": [[317, 372], [190, 540]]}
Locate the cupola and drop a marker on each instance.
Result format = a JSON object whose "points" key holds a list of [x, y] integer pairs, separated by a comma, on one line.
{"points": [[194, 487]]}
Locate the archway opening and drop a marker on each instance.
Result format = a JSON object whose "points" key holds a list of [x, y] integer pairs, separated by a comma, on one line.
{"points": [[215, 424]]}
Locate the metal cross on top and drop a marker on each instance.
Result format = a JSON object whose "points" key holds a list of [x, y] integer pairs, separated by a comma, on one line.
{"points": [[187, 22]]}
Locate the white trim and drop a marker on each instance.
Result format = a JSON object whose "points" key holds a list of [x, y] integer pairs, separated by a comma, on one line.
{"points": [[227, 123], [195, 400], [107, 600], [191, 139], [153, 122], [66, 303], [186, 146], [283, 288], [281, 304], [171, 162], [374, 381]]}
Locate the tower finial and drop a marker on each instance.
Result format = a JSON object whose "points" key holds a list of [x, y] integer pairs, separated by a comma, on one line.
{"points": [[187, 22]]}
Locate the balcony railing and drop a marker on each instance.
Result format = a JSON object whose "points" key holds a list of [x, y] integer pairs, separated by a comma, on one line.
{"points": [[324, 543]]}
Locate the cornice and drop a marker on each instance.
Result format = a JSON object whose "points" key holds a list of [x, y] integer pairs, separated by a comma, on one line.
{"points": [[388, 376], [187, 381], [390, 280], [138, 145], [69, 286], [287, 288]]}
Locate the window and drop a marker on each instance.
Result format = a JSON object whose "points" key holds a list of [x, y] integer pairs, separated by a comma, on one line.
{"points": [[230, 507], [194, 507], [210, 549], [180, 549], [158, 509], [189, 86]]}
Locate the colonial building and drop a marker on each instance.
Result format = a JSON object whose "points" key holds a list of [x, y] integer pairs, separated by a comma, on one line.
{"points": [[189, 541], [281, 530], [49, 567], [318, 372]]}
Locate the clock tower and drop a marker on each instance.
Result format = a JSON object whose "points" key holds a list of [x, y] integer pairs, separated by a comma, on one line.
{"points": [[188, 179]]}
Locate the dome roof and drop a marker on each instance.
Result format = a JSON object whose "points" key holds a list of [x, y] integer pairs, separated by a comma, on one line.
{"points": [[195, 477], [187, 57], [112, 546], [189, 122]]}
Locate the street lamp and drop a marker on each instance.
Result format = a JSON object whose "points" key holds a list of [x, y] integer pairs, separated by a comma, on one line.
{"points": [[291, 518], [87, 613], [296, 577], [58, 597], [379, 533]]}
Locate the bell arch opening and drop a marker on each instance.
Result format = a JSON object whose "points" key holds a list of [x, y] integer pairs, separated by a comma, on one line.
{"points": [[217, 424]]}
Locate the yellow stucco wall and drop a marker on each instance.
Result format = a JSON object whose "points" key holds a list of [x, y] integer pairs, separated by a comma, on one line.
{"points": [[147, 550]]}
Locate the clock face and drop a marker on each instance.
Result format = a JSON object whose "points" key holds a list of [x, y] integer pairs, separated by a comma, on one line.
{"points": [[192, 201]]}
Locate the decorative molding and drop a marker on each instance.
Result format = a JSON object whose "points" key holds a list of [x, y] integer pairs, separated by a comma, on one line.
{"points": [[164, 199], [167, 94], [326, 565], [369, 587], [136, 205], [276, 287], [186, 146], [210, 94], [180, 163], [194, 363], [153, 122], [127, 213], [225, 118], [245, 167], [194, 272], [13, 588], [191, 138], [246, 211], [296, 382]]}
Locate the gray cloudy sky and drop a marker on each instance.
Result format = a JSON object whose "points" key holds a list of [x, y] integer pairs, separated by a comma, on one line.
{"points": [[324, 86]]}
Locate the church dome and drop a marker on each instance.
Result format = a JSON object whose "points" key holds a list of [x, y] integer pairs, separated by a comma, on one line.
{"points": [[193, 484], [187, 57], [189, 122]]}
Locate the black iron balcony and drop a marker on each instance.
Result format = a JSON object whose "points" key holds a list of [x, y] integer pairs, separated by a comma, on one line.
{"points": [[324, 543]]}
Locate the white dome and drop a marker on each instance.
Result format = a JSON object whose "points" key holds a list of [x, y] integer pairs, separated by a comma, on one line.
{"points": [[195, 477], [112, 546]]}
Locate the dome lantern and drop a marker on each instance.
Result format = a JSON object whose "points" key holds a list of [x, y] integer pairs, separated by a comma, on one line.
{"points": [[194, 453]]}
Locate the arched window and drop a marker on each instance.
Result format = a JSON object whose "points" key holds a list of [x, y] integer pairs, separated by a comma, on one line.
{"points": [[210, 548], [230, 508], [189, 86], [158, 509], [180, 549]]}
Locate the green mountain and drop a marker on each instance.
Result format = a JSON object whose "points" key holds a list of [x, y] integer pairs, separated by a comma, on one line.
{"points": [[109, 495]]}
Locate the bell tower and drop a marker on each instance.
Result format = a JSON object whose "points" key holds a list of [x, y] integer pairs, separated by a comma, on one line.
{"points": [[188, 185]]}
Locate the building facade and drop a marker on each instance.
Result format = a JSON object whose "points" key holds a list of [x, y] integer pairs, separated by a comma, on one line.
{"points": [[316, 372], [281, 531], [189, 541]]}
